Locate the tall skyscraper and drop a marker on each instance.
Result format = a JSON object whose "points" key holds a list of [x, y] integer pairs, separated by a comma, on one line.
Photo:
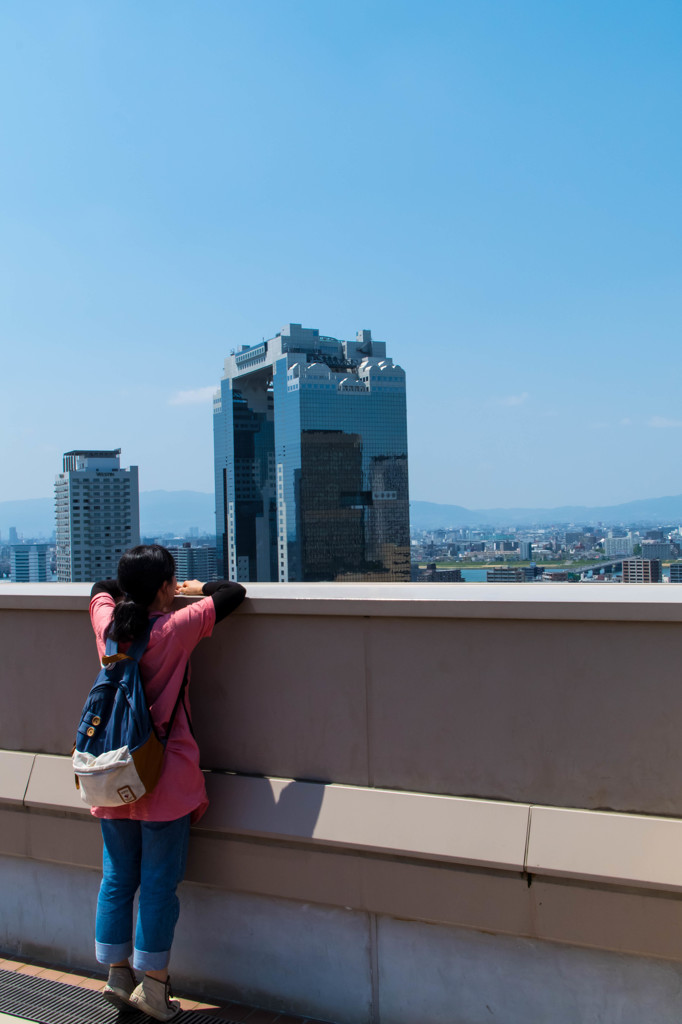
{"points": [[97, 506], [310, 438]]}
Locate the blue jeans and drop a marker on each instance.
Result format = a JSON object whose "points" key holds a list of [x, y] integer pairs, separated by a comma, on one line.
{"points": [[151, 856]]}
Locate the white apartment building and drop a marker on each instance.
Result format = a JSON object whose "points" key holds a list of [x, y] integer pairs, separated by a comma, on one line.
{"points": [[618, 546], [97, 507]]}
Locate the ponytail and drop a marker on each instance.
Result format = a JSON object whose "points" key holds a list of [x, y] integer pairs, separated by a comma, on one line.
{"points": [[141, 572], [129, 621]]}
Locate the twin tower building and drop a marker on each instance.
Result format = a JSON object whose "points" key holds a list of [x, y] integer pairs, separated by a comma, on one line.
{"points": [[310, 439]]}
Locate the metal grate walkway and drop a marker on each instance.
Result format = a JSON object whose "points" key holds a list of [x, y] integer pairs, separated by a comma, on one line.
{"points": [[53, 1002]]}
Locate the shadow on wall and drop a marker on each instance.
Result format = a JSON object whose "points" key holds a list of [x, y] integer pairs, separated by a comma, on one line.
{"points": [[298, 805], [262, 806]]}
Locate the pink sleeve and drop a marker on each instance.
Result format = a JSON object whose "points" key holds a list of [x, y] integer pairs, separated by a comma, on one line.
{"points": [[101, 610], [193, 622]]}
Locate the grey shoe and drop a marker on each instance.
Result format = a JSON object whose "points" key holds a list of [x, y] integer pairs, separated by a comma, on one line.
{"points": [[119, 986], [153, 997]]}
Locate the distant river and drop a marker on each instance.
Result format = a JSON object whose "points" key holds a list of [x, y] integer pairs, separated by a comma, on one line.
{"points": [[479, 575]]}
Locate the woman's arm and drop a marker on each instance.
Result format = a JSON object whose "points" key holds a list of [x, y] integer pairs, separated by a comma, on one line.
{"points": [[226, 596], [110, 587]]}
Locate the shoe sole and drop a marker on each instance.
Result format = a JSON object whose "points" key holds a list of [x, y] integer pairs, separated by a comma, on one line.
{"points": [[144, 1007], [115, 997]]}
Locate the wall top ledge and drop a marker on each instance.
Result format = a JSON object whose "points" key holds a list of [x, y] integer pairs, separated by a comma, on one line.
{"points": [[655, 602]]}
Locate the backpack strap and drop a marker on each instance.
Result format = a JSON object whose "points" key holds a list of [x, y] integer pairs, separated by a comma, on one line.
{"points": [[180, 700], [139, 646], [111, 649], [135, 651]]}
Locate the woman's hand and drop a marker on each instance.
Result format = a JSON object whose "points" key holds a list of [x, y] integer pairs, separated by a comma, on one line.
{"points": [[190, 588]]}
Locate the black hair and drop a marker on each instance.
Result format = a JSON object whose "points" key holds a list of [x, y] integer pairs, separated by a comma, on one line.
{"points": [[141, 572]]}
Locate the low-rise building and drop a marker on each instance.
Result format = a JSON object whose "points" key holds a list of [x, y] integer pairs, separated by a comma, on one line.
{"points": [[432, 574], [29, 563], [194, 563], [641, 570], [507, 574], [662, 549], [676, 572]]}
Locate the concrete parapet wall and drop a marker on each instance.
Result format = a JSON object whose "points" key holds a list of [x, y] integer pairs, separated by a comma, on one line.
{"points": [[527, 693], [486, 865]]}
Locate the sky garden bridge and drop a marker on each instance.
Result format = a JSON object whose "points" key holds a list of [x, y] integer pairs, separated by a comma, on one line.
{"points": [[429, 802]]}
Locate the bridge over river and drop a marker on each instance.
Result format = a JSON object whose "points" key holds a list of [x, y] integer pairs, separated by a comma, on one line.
{"points": [[608, 565]]}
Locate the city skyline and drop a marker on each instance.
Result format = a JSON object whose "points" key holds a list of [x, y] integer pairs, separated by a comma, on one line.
{"points": [[494, 188], [179, 513]]}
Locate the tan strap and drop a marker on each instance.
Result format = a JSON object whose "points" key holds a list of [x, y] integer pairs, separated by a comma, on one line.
{"points": [[110, 659]]}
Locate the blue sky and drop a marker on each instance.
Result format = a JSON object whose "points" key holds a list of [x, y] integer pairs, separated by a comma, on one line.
{"points": [[493, 188]]}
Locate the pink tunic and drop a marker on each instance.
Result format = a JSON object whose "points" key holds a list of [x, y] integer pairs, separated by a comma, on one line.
{"points": [[181, 789]]}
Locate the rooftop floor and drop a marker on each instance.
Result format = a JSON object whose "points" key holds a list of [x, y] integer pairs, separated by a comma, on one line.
{"points": [[64, 986]]}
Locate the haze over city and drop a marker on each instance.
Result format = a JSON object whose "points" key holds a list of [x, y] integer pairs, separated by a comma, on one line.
{"points": [[492, 189]]}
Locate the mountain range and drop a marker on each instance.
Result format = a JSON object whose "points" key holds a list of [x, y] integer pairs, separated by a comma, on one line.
{"points": [[161, 512], [176, 512], [426, 515]]}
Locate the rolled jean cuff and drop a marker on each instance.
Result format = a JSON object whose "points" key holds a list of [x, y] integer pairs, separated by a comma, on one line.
{"points": [[144, 961], [113, 952]]}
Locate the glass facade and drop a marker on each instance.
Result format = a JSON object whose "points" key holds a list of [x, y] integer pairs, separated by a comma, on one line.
{"points": [[311, 461]]}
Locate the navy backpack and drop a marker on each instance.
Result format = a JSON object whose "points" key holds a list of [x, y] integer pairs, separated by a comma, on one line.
{"points": [[118, 754]]}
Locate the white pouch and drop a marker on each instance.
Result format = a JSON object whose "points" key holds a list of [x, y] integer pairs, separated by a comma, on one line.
{"points": [[109, 780]]}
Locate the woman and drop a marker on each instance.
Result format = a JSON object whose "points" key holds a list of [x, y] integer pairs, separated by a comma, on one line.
{"points": [[145, 843]]}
